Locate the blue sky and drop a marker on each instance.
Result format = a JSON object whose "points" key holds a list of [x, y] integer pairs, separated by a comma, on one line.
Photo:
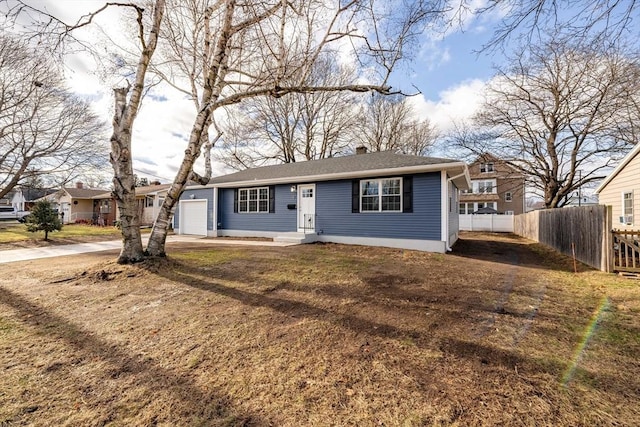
{"points": [[449, 62]]}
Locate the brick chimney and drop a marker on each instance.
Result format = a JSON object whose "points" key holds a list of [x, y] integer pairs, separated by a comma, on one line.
{"points": [[79, 185], [361, 150]]}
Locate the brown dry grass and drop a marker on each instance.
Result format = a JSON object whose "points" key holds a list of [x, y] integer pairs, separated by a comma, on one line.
{"points": [[319, 335]]}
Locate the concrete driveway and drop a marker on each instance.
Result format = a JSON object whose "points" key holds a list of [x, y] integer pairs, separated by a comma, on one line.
{"points": [[15, 255]]}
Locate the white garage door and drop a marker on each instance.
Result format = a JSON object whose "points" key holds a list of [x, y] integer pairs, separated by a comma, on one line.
{"points": [[193, 217]]}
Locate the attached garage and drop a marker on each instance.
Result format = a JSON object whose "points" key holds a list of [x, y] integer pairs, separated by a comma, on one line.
{"points": [[193, 217]]}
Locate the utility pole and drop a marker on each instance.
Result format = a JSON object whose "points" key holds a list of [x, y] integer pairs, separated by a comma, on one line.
{"points": [[579, 187]]}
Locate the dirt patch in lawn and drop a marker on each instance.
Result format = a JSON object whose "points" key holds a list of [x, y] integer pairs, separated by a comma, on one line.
{"points": [[319, 334]]}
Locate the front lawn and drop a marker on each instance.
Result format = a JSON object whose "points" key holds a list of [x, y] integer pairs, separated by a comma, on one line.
{"points": [[494, 334], [16, 235]]}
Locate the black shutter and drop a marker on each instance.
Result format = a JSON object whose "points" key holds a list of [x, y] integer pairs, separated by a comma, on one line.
{"points": [[407, 194], [355, 196], [272, 199], [235, 200]]}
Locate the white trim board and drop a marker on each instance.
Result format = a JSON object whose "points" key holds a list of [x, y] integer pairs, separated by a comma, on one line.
{"points": [[411, 244]]}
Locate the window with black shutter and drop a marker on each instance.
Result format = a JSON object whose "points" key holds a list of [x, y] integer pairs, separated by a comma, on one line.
{"points": [[382, 195]]}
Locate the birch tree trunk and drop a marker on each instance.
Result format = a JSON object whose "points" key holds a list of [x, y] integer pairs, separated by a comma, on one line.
{"points": [[124, 181], [121, 159], [215, 74]]}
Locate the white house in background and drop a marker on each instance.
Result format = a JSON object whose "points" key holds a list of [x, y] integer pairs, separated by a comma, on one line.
{"points": [[25, 197], [621, 191]]}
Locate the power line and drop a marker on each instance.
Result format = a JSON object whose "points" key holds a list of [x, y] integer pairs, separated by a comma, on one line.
{"points": [[151, 175]]}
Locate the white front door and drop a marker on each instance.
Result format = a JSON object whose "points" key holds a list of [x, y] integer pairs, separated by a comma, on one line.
{"points": [[65, 209], [306, 208]]}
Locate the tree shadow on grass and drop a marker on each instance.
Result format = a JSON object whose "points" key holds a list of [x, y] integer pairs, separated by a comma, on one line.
{"points": [[298, 309], [190, 404], [481, 354], [504, 249]]}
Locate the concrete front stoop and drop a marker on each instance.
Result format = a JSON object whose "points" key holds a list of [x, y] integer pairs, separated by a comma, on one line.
{"points": [[298, 238]]}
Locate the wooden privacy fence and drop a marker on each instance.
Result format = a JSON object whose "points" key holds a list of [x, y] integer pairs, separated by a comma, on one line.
{"points": [[626, 251], [583, 229]]}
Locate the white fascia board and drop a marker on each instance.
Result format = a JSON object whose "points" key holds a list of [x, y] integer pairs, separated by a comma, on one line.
{"points": [[624, 162], [457, 166]]}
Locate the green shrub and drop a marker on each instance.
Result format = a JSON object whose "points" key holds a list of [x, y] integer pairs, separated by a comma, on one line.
{"points": [[43, 218]]}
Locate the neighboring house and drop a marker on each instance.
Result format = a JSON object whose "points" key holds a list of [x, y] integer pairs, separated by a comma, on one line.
{"points": [[25, 197], [377, 199], [7, 198], [496, 187], [582, 200], [75, 204], [621, 191], [149, 199]]}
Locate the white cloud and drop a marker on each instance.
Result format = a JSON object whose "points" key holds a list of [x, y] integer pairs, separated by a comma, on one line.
{"points": [[453, 105]]}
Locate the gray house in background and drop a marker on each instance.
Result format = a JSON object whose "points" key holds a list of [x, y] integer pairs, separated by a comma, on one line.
{"points": [[376, 199]]}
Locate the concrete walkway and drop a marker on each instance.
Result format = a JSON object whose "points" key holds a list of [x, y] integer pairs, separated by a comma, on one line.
{"points": [[15, 255]]}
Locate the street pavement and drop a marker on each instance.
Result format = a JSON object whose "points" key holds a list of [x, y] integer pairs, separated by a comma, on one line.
{"points": [[15, 255]]}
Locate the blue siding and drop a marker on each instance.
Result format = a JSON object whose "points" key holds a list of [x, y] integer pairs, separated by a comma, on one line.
{"points": [[334, 216], [282, 220], [201, 193], [333, 212]]}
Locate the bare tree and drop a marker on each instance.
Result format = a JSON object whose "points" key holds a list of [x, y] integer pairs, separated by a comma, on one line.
{"points": [[45, 131], [560, 114], [388, 123], [607, 21], [297, 126]]}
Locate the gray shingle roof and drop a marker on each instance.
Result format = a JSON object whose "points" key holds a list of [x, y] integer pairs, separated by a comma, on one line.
{"points": [[335, 165]]}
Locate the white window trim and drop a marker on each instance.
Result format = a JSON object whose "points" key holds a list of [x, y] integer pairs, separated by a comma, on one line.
{"points": [[466, 208], [379, 181], [624, 213], [247, 189], [485, 167], [475, 185], [508, 199], [476, 205]]}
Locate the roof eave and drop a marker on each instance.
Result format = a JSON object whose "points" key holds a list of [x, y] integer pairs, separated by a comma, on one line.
{"points": [[624, 162], [455, 168]]}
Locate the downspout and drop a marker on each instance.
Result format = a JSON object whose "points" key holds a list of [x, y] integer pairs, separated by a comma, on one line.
{"points": [[446, 199]]}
